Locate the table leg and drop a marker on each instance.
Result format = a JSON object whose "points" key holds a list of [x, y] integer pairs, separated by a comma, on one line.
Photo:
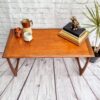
{"points": [[82, 69], [14, 70]]}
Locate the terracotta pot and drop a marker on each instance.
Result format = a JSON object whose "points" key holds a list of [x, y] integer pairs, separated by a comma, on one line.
{"points": [[97, 55], [26, 23]]}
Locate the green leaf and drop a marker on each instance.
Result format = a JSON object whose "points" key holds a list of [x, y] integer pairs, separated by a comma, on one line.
{"points": [[97, 13], [90, 25], [93, 21], [92, 30], [98, 32], [94, 17], [91, 12]]}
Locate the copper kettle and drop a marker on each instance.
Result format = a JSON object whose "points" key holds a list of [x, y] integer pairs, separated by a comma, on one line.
{"points": [[26, 23]]}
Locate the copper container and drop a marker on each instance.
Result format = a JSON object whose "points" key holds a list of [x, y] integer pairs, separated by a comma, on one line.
{"points": [[26, 23], [18, 32]]}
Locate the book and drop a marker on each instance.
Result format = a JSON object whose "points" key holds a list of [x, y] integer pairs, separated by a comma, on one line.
{"points": [[77, 41], [78, 32], [70, 40], [72, 34], [74, 38]]}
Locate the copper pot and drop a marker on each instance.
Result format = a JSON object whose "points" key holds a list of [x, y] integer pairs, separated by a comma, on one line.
{"points": [[26, 23]]}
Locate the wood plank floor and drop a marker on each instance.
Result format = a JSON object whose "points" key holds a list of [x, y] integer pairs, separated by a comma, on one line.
{"points": [[49, 79]]}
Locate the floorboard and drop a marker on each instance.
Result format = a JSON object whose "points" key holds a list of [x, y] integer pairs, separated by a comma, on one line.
{"points": [[64, 87], [80, 86], [5, 67], [49, 79], [92, 79], [6, 79], [40, 84]]}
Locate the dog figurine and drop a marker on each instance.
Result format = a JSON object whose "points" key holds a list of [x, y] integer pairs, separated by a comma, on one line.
{"points": [[75, 23]]}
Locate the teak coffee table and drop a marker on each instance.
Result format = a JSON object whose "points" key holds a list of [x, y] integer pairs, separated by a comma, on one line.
{"points": [[46, 43]]}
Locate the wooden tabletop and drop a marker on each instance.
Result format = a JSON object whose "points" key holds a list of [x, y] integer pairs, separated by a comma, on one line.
{"points": [[46, 43]]}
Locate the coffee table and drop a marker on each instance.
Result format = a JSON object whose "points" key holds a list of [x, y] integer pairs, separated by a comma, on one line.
{"points": [[46, 43]]}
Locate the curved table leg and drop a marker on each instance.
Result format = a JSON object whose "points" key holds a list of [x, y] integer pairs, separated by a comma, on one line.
{"points": [[82, 69], [14, 70]]}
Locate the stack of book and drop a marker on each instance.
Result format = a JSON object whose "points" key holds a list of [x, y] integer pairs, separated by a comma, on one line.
{"points": [[75, 36]]}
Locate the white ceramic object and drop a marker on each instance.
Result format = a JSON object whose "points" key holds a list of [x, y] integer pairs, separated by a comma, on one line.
{"points": [[27, 30], [27, 36]]}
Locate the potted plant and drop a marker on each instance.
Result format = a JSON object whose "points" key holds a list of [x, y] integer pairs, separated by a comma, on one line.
{"points": [[94, 18]]}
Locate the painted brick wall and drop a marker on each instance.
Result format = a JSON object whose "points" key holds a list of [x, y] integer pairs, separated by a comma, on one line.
{"points": [[44, 13]]}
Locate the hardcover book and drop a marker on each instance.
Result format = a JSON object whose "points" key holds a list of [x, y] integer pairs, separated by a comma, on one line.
{"points": [[67, 33], [77, 41], [77, 32]]}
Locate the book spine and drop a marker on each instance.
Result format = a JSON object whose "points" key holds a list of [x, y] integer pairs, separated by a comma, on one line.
{"points": [[68, 36], [73, 37], [73, 41], [71, 32]]}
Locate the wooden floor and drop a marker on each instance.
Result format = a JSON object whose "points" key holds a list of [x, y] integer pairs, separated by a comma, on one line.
{"points": [[49, 79]]}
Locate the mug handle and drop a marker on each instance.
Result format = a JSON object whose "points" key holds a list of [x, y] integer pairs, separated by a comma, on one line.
{"points": [[31, 22]]}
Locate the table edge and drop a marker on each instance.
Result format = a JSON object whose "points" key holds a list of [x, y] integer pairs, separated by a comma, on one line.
{"points": [[7, 43], [45, 56]]}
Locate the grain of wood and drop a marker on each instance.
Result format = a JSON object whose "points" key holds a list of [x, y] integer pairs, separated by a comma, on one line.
{"points": [[5, 67], [64, 87], [17, 82], [92, 80], [40, 84], [6, 78], [82, 90], [2, 61]]}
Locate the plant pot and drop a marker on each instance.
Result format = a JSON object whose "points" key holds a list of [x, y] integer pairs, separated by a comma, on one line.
{"points": [[97, 55]]}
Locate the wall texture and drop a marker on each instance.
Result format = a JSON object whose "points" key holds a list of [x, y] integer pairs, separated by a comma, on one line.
{"points": [[44, 13]]}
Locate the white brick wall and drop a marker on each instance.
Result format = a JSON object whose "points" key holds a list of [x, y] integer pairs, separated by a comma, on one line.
{"points": [[44, 13]]}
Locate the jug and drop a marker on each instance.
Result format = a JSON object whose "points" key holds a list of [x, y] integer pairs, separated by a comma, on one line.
{"points": [[26, 23], [27, 30]]}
